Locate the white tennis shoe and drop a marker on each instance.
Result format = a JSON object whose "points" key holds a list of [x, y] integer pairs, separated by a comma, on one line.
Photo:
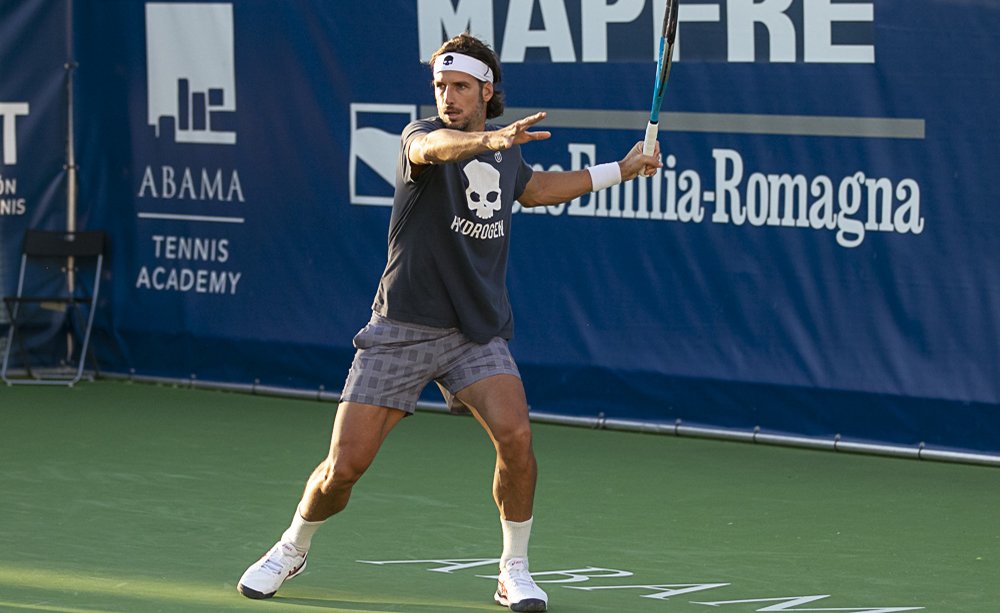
{"points": [[266, 575], [517, 590]]}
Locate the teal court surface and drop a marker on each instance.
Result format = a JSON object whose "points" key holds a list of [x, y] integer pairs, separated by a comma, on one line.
{"points": [[134, 497]]}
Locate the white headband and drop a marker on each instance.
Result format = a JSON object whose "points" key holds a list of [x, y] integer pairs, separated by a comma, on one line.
{"points": [[463, 63]]}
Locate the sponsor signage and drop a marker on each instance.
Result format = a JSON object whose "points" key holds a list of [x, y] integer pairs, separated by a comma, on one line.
{"points": [[191, 89], [34, 60]]}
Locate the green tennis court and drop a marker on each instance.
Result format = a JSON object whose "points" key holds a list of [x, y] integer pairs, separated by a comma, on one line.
{"points": [[133, 497]]}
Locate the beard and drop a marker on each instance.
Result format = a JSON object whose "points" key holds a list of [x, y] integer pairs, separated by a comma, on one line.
{"points": [[467, 119]]}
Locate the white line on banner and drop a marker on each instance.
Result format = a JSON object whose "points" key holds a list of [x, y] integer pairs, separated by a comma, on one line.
{"points": [[191, 217], [720, 123]]}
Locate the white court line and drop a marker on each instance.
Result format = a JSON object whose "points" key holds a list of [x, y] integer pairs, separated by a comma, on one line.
{"points": [[174, 216]]}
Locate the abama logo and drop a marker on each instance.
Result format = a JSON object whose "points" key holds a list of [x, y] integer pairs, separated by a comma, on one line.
{"points": [[190, 71]]}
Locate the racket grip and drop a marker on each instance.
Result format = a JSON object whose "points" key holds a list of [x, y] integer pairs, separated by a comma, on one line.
{"points": [[649, 144]]}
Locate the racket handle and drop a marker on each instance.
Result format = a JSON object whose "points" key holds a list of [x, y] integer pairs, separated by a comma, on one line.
{"points": [[649, 144]]}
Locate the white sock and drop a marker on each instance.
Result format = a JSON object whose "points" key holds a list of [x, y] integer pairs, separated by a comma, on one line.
{"points": [[515, 539], [300, 533]]}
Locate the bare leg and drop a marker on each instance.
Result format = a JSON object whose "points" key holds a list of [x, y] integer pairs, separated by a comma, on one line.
{"points": [[498, 402], [358, 433]]}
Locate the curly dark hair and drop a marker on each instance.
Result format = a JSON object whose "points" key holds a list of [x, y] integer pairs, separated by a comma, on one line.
{"points": [[467, 44]]}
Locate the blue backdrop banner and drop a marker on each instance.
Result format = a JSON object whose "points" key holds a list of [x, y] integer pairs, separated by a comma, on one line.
{"points": [[818, 254], [34, 51]]}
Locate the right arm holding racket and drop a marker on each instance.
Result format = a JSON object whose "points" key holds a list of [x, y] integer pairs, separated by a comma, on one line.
{"points": [[547, 188]]}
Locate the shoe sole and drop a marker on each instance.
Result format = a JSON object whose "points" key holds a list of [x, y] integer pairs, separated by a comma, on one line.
{"points": [[524, 606], [255, 595]]}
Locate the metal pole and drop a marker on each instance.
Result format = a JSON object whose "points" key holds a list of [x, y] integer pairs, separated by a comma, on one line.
{"points": [[626, 425], [70, 163], [70, 145]]}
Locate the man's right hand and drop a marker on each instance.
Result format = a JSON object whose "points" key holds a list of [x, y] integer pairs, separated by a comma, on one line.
{"points": [[635, 163]]}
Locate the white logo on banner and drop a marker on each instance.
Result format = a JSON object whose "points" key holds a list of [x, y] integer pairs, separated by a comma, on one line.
{"points": [[730, 27], [191, 74], [10, 204], [376, 148], [9, 112]]}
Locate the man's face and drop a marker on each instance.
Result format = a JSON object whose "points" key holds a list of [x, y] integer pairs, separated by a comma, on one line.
{"points": [[461, 100]]}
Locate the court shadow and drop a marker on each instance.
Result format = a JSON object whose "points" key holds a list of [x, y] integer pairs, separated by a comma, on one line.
{"points": [[342, 605], [346, 605]]}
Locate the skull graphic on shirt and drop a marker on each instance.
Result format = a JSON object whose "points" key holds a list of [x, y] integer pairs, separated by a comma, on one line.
{"points": [[483, 193]]}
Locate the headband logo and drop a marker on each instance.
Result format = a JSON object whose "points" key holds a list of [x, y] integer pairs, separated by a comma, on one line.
{"points": [[448, 60]]}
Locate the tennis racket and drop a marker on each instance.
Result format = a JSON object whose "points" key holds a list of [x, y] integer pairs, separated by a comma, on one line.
{"points": [[667, 38]]}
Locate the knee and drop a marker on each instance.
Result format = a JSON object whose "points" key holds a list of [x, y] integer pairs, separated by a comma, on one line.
{"points": [[340, 473], [516, 439]]}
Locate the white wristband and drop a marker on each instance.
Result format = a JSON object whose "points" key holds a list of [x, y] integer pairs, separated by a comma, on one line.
{"points": [[604, 176]]}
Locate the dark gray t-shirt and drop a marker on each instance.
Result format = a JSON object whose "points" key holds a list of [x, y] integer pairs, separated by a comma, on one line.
{"points": [[449, 235]]}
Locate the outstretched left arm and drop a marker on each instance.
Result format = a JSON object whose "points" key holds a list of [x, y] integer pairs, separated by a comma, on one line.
{"points": [[547, 188]]}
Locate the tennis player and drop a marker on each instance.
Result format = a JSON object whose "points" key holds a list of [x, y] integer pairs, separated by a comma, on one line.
{"points": [[441, 312]]}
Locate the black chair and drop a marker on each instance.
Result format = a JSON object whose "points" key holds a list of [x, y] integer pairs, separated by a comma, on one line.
{"points": [[52, 260]]}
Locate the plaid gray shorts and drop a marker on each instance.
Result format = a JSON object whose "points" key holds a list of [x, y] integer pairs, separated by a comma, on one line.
{"points": [[396, 360]]}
